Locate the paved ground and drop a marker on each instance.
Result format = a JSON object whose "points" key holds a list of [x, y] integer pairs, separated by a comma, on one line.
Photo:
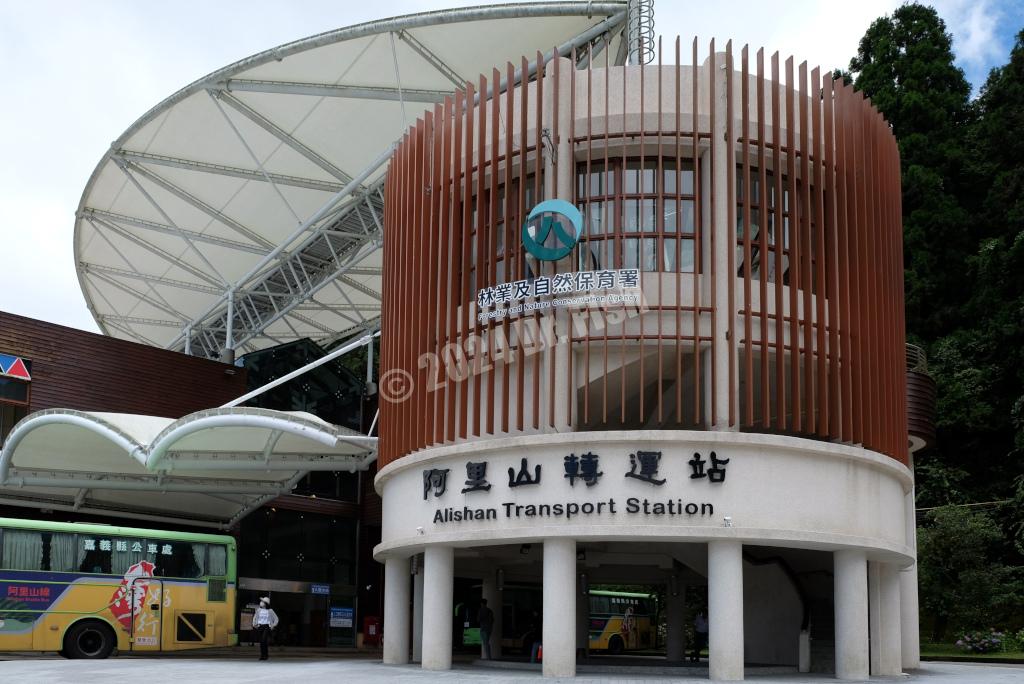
{"points": [[312, 668]]}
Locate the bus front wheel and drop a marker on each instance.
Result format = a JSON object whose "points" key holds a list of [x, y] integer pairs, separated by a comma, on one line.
{"points": [[90, 639], [616, 645]]}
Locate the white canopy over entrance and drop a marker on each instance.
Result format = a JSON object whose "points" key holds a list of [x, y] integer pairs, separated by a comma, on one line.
{"points": [[245, 210], [207, 468]]}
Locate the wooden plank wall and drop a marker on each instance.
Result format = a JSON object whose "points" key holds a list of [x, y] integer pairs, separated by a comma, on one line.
{"points": [[90, 372]]}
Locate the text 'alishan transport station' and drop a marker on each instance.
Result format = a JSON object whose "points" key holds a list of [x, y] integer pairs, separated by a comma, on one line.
{"points": [[640, 309]]}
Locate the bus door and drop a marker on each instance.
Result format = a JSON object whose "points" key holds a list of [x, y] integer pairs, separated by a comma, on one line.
{"points": [[147, 613]]}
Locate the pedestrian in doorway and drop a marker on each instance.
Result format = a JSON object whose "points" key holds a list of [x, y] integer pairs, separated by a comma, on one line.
{"points": [[536, 630], [700, 636], [264, 621], [485, 618]]}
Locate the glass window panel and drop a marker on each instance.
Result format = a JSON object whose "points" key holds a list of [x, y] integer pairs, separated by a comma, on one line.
{"points": [[597, 214], [686, 217], [94, 554], [218, 560], [671, 212], [597, 255], [669, 255], [13, 390], [648, 215], [686, 257], [601, 182], [650, 255], [669, 178], [688, 179], [640, 215], [631, 253], [639, 180], [631, 215], [175, 559], [754, 230]]}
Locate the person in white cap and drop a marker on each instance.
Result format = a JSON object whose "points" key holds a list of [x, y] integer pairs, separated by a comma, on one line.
{"points": [[263, 621]]}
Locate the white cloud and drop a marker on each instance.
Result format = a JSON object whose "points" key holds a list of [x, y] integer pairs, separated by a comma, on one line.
{"points": [[974, 25]]}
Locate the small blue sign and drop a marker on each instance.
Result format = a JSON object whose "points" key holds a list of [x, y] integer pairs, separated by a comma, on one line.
{"points": [[320, 589], [341, 617]]}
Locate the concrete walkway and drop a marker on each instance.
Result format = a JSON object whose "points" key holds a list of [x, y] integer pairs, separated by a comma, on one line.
{"points": [[307, 668]]}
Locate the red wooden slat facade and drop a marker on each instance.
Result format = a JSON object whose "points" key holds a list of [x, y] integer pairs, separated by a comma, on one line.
{"points": [[811, 343]]}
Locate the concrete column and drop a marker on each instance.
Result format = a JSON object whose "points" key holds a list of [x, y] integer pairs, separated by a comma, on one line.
{"points": [[559, 630], [725, 610], [724, 169], [851, 614], [884, 618], [438, 593], [417, 615], [489, 591], [559, 176], [675, 647], [396, 611], [910, 628]]}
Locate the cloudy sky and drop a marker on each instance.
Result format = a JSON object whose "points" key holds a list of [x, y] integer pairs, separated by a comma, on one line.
{"points": [[75, 75]]}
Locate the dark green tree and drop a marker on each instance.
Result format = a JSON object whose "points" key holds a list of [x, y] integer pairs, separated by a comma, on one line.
{"points": [[963, 212], [905, 64], [964, 583]]}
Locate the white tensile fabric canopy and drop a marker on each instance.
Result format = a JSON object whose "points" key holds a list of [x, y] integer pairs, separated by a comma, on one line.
{"points": [[210, 467], [246, 209]]}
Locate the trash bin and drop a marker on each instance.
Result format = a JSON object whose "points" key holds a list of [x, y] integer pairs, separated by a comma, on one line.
{"points": [[371, 631]]}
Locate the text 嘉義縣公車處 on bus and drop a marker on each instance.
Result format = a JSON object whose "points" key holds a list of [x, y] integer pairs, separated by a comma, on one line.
{"points": [[84, 589]]}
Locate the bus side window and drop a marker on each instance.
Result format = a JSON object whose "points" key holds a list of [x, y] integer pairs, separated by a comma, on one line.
{"points": [[23, 550], [181, 559], [94, 554], [63, 552], [218, 560]]}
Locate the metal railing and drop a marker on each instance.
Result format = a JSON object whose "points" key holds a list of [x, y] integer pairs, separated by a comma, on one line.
{"points": [[917, 360]]}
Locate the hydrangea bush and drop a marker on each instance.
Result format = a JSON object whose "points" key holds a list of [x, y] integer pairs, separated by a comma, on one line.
{"points": [[981, 641]]}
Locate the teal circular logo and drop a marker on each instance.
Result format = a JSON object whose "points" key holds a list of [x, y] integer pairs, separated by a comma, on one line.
{"points": [[545, 236]]}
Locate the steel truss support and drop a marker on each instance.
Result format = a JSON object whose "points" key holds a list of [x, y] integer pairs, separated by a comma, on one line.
{"points": [[279, 133], [282, 281], [330, 90], [191, 199], [223, 170], [122, 220]]}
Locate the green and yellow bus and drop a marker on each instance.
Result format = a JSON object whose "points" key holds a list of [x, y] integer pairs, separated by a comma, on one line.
{"points": [[622, 621], [83, 590]]}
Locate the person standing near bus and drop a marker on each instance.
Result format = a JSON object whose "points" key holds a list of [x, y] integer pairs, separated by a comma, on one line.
{"points": [[264, 621], [485, 618]]}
